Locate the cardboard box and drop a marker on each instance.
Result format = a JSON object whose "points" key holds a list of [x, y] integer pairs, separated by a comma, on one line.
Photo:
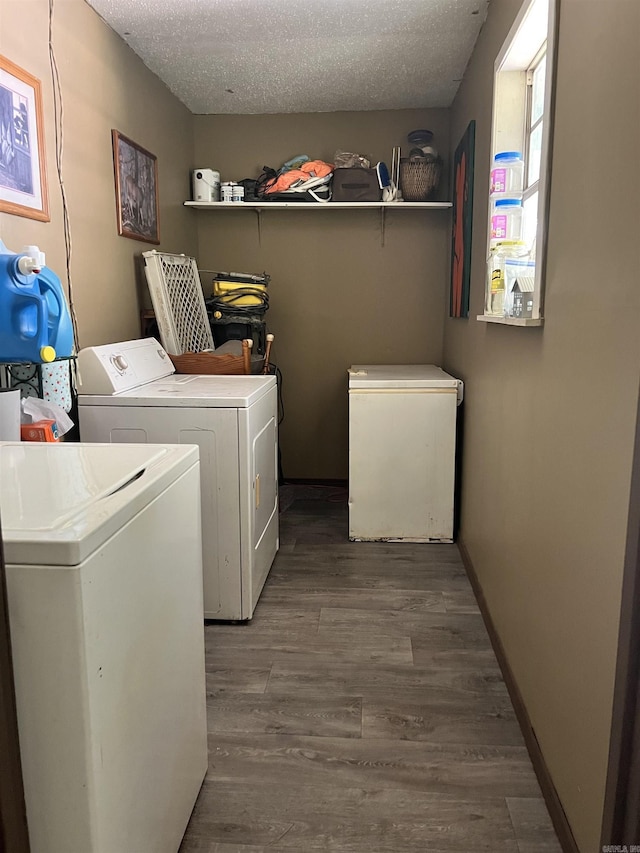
{"points": [[44, 430]]}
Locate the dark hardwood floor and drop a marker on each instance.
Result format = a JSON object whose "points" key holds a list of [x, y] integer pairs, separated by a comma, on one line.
{"points": [[362, 710]]}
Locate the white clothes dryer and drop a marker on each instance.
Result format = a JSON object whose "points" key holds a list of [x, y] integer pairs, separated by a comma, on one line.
{"points": [[104, 591], [129, 392]]}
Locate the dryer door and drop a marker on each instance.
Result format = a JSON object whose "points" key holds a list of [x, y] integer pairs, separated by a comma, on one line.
{"points": [[259, 495]]}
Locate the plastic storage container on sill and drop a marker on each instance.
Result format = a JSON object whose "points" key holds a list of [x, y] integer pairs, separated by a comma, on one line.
{"points": [[507, 174], [506, 220]]}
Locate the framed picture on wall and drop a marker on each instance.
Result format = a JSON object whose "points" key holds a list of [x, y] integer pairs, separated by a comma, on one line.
{"points": [[463, 162], [23, 176], [136, 174]]}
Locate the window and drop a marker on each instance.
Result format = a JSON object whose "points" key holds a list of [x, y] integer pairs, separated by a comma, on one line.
{"points": [[522, 122], [534, 125]]}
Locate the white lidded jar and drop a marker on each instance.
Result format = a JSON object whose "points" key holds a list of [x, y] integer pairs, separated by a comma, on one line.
{"points": [[506, 220], [206, 185], [215, 185], [237, 193], [227, 191], [507, 174]]}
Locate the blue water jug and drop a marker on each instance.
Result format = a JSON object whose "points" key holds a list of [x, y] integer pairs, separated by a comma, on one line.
{"points": [[35, 325], [59, 322]]}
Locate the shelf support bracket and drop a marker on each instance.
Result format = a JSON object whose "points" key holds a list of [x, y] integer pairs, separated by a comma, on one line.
{"points": [[382, 225], [259, 216]]}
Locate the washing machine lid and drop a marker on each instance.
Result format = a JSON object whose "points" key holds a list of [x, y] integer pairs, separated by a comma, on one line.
{"points": [[400, 376], [192, 391], [60, 502]]}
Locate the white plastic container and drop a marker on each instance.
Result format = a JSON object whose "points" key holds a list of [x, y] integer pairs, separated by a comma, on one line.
{"points": [[506, 220], [227, 191], [237, 193], [206, 185], [507, 175], [215, 190], [9, 414]]}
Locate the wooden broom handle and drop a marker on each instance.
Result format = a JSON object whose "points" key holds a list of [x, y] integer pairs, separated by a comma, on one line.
{"points": [[246, 355], [267, 353]]}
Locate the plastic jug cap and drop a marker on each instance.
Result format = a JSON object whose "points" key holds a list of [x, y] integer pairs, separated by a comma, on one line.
{"points": [[47, 354], [34, 259], [508, 155]]}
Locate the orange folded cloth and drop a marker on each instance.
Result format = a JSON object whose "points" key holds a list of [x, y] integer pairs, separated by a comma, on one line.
{"points": [[284, 181], [316, 168]]}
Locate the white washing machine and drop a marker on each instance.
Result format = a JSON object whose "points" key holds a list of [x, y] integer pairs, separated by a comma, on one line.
{"points": [[129, 392], [104, 584]]}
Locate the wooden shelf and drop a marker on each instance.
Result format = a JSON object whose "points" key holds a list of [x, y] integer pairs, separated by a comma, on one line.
{"points": [[260, 206], [511, 321], [331, 205]]}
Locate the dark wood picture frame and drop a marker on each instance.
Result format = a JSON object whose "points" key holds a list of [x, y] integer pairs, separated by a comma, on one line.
{"points": [[23, 172], [136, 176], [463, 164]]}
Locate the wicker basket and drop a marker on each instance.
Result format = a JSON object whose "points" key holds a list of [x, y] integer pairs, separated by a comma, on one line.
{"points": [[419, 178]]}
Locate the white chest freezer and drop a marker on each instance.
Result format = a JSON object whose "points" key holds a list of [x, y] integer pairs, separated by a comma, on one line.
{"points": [[130, 393], [104, 584], [402, 441]]}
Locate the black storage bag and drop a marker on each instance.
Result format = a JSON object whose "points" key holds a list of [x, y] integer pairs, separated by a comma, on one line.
{"points": [[356, 185], [322, 193]]}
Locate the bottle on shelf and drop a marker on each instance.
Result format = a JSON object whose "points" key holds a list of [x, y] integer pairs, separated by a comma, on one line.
{"points": [[495, 290]]}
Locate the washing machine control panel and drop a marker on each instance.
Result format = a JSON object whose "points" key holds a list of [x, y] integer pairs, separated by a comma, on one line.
{"points": [[114, 368], [120, 363]]}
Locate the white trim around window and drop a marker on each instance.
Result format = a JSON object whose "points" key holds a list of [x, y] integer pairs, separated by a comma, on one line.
{"points": [[531, 41]]}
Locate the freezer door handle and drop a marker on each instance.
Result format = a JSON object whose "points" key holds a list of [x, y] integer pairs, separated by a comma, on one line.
{"points": [[405, 391], [458, 390]]}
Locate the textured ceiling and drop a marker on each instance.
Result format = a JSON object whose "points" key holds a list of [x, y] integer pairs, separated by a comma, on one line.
{"points": [[270, 56]]}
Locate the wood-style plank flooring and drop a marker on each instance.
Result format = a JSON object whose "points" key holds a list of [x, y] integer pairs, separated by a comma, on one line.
{"points": [[362, 710]]}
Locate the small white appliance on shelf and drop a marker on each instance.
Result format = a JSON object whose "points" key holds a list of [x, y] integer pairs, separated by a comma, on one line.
{"points": [[129, 392], [206, 185]]}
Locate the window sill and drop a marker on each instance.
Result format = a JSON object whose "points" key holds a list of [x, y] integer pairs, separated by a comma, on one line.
{"points": [[511, 321]]}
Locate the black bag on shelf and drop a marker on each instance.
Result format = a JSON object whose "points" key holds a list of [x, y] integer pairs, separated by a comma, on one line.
{"points": [[355, 184], [250, 189], [265, 179]]}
